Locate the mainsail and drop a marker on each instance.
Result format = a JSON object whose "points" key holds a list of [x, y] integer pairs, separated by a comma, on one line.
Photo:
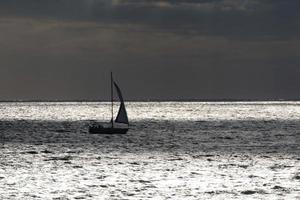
{"points": [[122, 114]]}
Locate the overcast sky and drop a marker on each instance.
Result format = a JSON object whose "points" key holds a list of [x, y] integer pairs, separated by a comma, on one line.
{"points": [[157, 49]]}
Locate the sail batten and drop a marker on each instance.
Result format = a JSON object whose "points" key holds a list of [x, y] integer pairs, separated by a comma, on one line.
{"points": [[122, 114]]}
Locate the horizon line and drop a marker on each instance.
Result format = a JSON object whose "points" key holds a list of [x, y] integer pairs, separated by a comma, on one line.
{"points": [[151, 100]]}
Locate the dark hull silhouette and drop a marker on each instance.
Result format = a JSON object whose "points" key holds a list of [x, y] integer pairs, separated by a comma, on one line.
{"points": [[103, 130]]}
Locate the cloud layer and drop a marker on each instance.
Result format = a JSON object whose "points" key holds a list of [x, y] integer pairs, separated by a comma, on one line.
{"points": [[192, 49]]}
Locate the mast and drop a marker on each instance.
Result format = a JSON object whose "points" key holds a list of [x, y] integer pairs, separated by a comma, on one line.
{"points": [[112, 99]]}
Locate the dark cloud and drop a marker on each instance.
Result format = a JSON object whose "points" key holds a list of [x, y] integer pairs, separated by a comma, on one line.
{"points": [[63, 49], [229, 18]]}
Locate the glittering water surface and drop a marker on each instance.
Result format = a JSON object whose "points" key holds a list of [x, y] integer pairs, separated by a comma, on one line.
{"points": [[175, 150]]}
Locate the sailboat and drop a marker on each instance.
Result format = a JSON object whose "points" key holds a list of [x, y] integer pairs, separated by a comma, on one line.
{"points": [[121, 118]]}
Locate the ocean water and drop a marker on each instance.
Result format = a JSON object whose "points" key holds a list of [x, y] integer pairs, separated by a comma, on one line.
{"points": [[174, 150]]}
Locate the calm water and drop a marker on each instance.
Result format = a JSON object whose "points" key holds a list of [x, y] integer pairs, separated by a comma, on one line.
{"points": [[173, 150]]}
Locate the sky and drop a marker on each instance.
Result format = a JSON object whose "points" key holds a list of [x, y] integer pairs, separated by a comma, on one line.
{"points": [[157, 49]]}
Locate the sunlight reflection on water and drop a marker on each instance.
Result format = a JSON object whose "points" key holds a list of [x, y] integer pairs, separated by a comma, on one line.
{"points": [[174, 150]]}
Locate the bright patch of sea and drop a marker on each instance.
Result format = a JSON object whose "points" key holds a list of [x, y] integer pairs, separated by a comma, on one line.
{"points": [[175, 150]]}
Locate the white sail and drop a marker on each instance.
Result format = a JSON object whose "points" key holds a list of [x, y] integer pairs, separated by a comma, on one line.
{"points": [[122, 114]]}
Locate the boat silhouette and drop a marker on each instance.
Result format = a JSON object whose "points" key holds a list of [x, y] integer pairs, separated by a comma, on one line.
{"points": [[121, 118]]}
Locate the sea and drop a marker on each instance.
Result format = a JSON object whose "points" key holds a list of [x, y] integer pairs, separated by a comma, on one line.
{"points": [[173, 150]]}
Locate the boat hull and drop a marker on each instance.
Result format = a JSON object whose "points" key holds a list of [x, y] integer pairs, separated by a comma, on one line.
{"points": [[102, 130]]}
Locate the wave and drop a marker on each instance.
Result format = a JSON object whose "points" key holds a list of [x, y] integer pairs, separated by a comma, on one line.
{"points": [[163, 135]]}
